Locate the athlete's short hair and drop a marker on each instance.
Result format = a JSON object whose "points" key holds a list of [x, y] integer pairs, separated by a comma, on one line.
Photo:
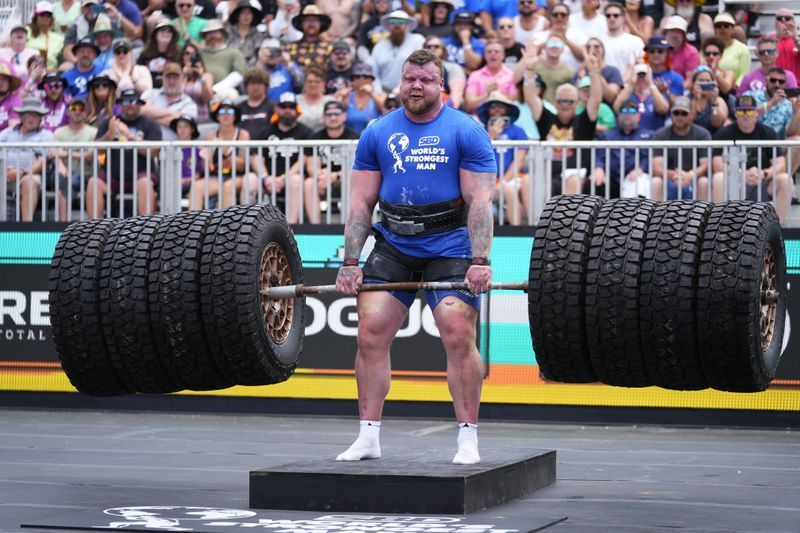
{"points": [[423, 57]]}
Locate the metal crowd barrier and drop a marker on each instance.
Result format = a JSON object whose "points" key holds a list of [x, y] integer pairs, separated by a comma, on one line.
{"points": [[535, 172]]}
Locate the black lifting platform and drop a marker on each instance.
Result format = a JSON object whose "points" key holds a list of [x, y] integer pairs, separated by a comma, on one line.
{"points": [[422, 481]]}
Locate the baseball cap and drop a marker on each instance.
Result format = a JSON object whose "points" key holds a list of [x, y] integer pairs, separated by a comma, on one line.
{"points": [[335, 103], [658, 42], [362, 69], [584, 82], [130, 95], [464, 16], [271, 43], [287, 98], [171, 68], [676, 22], [725, 18], [746, 101], [682, 103], [339, 45], [630, 104], [641, 68]]}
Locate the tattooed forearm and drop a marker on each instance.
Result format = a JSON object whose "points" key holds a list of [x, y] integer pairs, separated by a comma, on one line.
{"points": [[480, 223], [356, 232]]}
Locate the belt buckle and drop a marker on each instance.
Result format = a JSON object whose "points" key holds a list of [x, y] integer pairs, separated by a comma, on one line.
{"points": [[403, 227]]}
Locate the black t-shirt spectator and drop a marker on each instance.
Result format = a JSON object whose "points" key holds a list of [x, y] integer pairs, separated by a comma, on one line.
{"points": [[149, 131], [370, 32], [687, 162], [337, 80], [761, 132], [256, 120], [278, 155], [580, 128], [333, 154]]}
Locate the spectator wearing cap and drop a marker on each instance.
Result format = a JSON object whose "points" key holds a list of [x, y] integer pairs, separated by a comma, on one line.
{"points": [[528, 22], [512, 49], [313, 47], [708, 108], [611, 165], [126, 167], [386, 55], [126, 18], [281, 27], [184, 129], [103, 38], [55, 101], [765, 175], [371, 31], [102, 100], [161, 48], [198, 85], [126, 73], [225, 63], [75, 165], [190, 26], [637, 21], [550, 69], [362, 104], [699, 25], [622, 48], [170, 101], [498, 114], [42, 35], [495, 76], [17, 53], [683, 56], [774, 108], [325, 170], [391, 102], [312, 98], [557, 16], [589, 19], [610, 77], [463, 48], [639, 86], [735, 55], [257, 109], [668, 82], [340, 68], [685, 167], [23, 167], [756, 79], [271, 60], [435, 18], [274, 173], [78, 77], [226, 163], [788, 42], [243, 30], [91, 17], [606, 120], [9, 96], [454, 80], [565, 124]]}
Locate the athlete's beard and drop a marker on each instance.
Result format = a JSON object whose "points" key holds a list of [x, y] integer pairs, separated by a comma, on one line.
{"points": [[419, 107]]}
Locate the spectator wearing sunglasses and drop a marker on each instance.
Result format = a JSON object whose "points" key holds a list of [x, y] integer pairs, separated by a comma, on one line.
{"points": [[684, 167], [622, 48], [788, 42], [765, 174], [529, 22], [513, 50], [683, 56], [756, 79], [551, 69], [126, 73], [712, 53], [611, 78], [75, 166], [589, 19], [669, 82], [574, 39], [17, 52], [735, 55], [774, 108], [55, 101], [710, 110]]}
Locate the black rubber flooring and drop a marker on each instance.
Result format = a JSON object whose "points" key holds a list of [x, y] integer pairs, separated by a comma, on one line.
{"points": [[172, 472]]}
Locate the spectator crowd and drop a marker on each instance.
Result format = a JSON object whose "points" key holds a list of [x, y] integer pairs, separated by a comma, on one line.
{"points": [[239, 70]]}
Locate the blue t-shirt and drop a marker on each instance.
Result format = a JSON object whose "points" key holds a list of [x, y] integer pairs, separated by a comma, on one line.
{"points": [[419, 164], [511, 133], [78, 82], [280, 81], [673, 79], [455, 52]]}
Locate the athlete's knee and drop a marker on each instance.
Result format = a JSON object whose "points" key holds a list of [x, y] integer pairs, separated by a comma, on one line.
{"points": [[456, 323]]}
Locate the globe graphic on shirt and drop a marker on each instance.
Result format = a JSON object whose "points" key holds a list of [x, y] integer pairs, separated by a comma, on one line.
{"points": [[398, 143]]}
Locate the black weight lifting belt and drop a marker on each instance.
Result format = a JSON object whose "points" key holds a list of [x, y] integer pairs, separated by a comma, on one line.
{"points": [[424, 219]]}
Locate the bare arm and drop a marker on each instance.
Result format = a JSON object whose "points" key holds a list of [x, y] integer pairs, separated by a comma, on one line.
{"points": [[364, 188], [529, 91], [477, 188], [595, 90]]}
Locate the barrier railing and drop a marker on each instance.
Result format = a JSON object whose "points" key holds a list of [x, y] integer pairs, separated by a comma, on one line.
{"points": [[309, 180]]}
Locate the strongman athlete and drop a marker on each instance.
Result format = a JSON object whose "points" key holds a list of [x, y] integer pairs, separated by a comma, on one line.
{"points": [[432, 170]]}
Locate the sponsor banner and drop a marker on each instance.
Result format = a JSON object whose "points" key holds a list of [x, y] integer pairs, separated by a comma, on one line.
{"points": [[28, 361]]}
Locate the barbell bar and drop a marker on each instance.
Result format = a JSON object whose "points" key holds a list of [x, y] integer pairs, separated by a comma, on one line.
{"points": [[294, 291]]}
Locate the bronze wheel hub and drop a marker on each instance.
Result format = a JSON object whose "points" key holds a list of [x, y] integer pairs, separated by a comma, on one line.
{"points": [[769, 297], [278, 315]]}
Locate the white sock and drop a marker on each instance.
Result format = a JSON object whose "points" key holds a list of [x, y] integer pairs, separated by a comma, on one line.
{"points": [[367, 445], [467, 445]]}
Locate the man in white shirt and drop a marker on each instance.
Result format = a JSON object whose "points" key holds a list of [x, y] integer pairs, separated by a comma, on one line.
{"points": [[574, 39], [589, 20], [401, 43], [622, 48], [169, 102]]}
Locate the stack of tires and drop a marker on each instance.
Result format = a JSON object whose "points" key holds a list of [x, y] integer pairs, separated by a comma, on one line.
{"points": [[159, 304], [681, 295]]}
